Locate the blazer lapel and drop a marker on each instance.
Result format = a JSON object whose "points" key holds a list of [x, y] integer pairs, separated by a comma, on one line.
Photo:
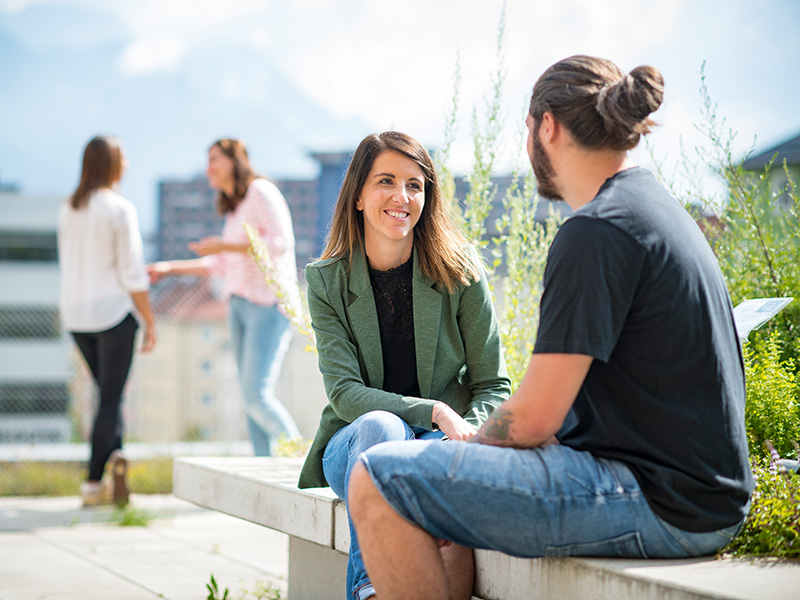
{"points": [[427, 313], [364, 320]]}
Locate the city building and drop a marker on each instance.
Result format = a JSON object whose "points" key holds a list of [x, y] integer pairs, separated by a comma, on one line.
{"points": [[35, 355], [187, 389], [187, 212]]}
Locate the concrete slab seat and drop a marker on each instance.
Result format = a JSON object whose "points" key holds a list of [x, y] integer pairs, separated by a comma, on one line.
{"points": [[264, 491]]}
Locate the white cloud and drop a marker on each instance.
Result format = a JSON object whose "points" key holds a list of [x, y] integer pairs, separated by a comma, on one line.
{"points": [[12, 7], [160, 53], [146, 16], [392, 62]]}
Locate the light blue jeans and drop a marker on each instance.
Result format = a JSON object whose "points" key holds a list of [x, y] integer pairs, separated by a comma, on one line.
{"points": [[340, 456], [553, 501], [260, 338]]}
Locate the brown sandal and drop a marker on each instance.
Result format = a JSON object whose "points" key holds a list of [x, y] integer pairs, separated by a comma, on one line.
{"points": [[119, 468]]}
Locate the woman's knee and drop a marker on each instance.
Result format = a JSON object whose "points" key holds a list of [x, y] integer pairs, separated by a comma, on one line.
{"points": [[379, 426]]}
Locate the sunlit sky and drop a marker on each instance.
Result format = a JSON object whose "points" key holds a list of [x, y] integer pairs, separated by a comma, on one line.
{"points": [[370, 65]]}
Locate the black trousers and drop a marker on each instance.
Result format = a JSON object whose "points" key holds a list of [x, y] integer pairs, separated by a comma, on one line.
{"points": [[109, 355]]}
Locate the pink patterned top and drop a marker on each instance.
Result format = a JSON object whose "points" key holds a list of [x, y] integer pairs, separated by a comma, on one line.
{"points": [[265, 208]]}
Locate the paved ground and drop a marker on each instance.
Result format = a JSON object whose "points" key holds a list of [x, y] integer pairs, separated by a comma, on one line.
{"points": [[52, 549]]}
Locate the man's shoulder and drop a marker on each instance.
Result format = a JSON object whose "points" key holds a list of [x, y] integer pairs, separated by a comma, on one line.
{"points": [[592, 229]]}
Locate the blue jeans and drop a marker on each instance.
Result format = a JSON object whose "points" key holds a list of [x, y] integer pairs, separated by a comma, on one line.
{"points": [[260, 338], [553, 501], [340, 456]]}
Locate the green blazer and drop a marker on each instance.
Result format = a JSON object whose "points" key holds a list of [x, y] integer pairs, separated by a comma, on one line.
{"points": [[457, 340]]}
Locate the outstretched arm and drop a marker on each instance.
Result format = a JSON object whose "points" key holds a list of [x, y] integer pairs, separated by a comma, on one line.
{"points": [[536, 411]]}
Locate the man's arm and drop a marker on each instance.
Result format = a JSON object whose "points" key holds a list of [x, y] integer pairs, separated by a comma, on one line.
{"points": [[536, 411]]}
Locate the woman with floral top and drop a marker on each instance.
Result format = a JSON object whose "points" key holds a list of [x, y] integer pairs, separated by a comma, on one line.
{"points": [[259, 327]]}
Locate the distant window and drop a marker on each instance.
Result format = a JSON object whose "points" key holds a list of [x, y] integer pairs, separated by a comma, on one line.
{"points": [[206, 367], [205, 399], [21, 398], [29, 323], [28, 246]]}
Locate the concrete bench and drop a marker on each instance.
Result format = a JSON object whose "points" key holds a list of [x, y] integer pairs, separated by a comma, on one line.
{"points": [[264, 491]]}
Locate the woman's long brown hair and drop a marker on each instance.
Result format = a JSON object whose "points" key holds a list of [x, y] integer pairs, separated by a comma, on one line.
{"points": [[102, 167], [243, 174], [444, 253]]}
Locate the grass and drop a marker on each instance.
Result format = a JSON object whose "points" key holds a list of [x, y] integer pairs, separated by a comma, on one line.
{"points": [[151, 476], [132, 517]]}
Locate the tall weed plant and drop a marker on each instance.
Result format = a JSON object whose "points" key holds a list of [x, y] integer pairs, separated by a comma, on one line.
{"points": [[519, 250], [757, 236]]}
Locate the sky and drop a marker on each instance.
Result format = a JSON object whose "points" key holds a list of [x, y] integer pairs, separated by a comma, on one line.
{"points": [[292, 77]]}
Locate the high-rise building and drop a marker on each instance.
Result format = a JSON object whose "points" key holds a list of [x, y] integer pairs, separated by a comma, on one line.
{"points": [[187, 213], [333, 166]]}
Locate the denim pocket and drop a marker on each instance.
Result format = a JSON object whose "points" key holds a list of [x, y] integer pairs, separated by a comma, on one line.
{"points": [[628, 545]]}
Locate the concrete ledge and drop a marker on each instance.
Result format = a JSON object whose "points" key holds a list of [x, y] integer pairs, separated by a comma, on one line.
{"points": [[264, 491], [260, 491]]}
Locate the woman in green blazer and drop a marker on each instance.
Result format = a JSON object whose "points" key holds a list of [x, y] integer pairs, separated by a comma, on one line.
{"points": [[407, 337]]}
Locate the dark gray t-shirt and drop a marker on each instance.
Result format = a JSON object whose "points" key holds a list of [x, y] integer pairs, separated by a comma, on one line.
{"points": [[631, 281]]}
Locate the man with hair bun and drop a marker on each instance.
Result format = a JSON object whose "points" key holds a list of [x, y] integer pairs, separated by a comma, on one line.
{"points": [[626, 436]]}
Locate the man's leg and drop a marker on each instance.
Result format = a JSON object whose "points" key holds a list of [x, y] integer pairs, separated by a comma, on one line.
{"points": [[459, 566], [553, 501], [403, 561]]}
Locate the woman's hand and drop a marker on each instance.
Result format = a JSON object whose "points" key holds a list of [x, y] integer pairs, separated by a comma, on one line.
{"points": [[149, 341], [215, 245], [158, 270], [209, 245], [451, 423]]}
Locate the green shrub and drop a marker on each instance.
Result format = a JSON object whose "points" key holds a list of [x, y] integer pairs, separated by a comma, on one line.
{"points": [[773, 526], [772, 412]]}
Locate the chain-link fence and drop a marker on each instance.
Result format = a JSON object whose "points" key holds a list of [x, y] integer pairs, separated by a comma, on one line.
{"points": [[181, 399]]}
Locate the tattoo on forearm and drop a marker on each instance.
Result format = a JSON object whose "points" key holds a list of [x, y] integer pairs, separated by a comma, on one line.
{"points": [[499, 424]]}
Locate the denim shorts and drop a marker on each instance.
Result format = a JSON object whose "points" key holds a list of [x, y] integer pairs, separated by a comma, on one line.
{"points": [[553, 501]]}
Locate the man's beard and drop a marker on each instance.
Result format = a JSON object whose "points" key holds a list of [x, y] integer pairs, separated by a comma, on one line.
{"points": [[546, 185]]}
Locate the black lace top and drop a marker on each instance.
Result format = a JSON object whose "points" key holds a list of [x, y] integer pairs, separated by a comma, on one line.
{"points": [[393, 300]]}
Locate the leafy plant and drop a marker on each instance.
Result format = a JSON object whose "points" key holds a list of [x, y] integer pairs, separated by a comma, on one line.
{"points": [[772, 527], [261, 591], [772, 411], [296, 446], [213, 590]]}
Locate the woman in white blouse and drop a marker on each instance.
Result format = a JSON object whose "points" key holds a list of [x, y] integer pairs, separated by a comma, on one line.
{"points": [[260, 331], [103, 279]]}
